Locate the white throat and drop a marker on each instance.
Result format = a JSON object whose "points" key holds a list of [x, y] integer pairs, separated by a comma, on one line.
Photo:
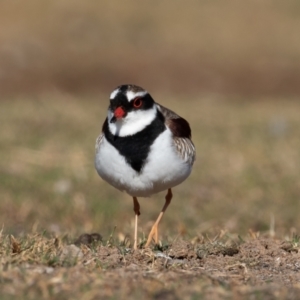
{"points": [[134, 122]]}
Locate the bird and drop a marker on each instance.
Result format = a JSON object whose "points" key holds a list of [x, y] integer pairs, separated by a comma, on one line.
{"points": [[144, 148]]}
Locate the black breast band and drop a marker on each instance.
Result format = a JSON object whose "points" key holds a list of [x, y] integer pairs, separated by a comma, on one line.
{"points": [[135, 148]]}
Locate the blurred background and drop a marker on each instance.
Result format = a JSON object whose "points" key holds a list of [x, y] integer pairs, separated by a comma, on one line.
{"points": [[231, 68]]}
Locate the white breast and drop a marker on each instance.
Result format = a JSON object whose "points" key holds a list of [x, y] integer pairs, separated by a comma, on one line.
{"points": [[163, 169]]}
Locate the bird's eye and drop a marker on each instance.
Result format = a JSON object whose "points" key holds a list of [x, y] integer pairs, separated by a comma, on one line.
{"points": [[137, 102]]}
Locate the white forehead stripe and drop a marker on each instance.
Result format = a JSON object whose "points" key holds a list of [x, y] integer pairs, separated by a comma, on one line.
{"points": [[132, 95], [114, 94]]}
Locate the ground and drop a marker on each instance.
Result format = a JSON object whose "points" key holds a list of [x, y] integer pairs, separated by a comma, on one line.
{"points": [[36, 266], [230, 231]]}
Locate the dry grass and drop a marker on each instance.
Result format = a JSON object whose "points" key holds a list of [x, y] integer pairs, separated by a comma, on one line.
{"points": [[40, 267], [245, 178], [246, 171]]}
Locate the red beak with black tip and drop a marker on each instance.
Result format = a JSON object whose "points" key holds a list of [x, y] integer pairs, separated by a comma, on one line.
{"points": [[119, 113]]}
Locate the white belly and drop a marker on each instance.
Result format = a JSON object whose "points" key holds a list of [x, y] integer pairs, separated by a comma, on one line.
{"points": [[163, 169]]}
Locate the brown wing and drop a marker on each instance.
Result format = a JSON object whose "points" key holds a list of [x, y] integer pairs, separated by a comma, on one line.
{"points": [[181, 131]]}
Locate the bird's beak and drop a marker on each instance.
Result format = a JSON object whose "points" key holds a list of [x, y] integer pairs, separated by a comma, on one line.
{"points": [[119, 113]]}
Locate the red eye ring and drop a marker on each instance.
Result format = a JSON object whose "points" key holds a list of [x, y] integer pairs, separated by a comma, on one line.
{"points": [[137, 102]]}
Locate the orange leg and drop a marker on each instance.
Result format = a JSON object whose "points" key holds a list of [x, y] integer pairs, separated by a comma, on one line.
{"points": [[136, 209], [154, 230]]}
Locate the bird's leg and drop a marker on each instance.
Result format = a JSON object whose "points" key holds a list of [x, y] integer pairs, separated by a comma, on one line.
{"points": [[154, 230], [136, 208]]}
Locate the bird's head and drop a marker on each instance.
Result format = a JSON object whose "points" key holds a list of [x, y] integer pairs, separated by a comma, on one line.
{"points": [[131, 109]]}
